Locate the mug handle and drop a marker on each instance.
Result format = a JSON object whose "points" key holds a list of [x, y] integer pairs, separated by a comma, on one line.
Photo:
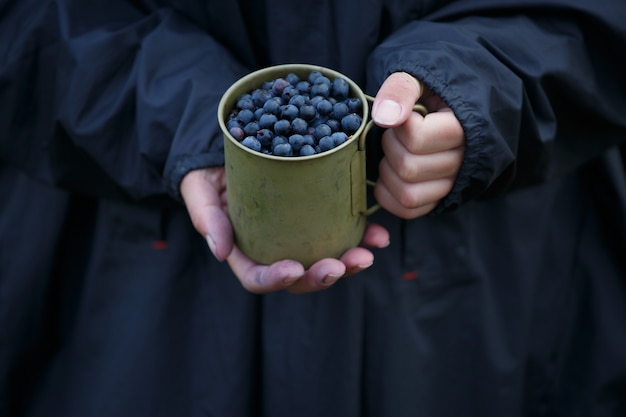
{"points": [[420, 108]]}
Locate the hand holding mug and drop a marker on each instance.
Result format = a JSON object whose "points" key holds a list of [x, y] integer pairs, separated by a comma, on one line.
{"points": [[204, 195], [423, 154]]}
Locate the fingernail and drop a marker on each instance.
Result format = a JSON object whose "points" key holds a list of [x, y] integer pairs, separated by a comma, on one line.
{"points": [[330, 279], [292, 279], [387, 112], [212, 246], [358, 268]]}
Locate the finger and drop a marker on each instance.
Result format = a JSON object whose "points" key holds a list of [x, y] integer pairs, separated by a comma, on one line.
{"points": [[375, 236], [202, 191], [416, 168], [392, 205], [435, 132], [413, 194], [321, 275], [395, 99], [357, 260], [262, 279], [326, 272], [408, 200]]}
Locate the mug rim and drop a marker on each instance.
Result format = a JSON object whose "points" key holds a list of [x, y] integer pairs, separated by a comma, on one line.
{"points": [[231, 94]]}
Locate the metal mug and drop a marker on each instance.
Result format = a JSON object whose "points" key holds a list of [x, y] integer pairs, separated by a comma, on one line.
{"points": [[304, 208]]}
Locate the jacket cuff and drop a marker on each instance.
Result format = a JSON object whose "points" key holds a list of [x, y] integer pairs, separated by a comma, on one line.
{"points": [[181, 165]]}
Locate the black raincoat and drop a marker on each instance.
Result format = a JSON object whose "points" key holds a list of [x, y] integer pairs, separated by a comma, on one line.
{"points": [[509, 300]]}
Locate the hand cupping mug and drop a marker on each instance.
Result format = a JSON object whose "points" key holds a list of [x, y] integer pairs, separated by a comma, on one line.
{"points": [[294, 148]]}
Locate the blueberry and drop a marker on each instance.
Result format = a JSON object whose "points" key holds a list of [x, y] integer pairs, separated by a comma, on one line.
{"points": [[338, 138], [267, 121], [315, 100], [245, 116], [260, 96], [304, 87], [321, 89], [340, 88], [265, 136], [282, 127], [251, 128], [334, 124], [351, 123], [299, 100], [309, 140], [307, 150], [258, 113], [292, 78], [340, 110], [322, 79], [308, 112], [279, 86], [324, 107], [296, 142], [245, 102], [313, 75], [232, 123], [283, 149], [237, 133], [321, 131], [289, 112], [299, 126], [354, 104], [252, 143], [272, 106], [326, 144], [289, 92], [279, 140]]}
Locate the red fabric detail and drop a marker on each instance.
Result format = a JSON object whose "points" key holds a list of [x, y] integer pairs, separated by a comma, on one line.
{"points": [[408, 276], [159, 244]]}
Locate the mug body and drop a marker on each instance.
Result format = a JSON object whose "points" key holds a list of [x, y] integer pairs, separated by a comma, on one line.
{"points": [[304, 208]]}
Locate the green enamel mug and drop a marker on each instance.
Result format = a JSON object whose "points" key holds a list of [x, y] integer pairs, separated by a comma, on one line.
{"points": [[304, 208]]}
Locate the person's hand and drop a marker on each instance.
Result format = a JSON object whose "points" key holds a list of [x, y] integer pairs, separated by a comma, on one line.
{"points": [[423, 155], [204, 193]]}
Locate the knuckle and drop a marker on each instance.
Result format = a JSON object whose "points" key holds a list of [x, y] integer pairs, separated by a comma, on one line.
{"points": [[408, 199], [407, 169]]}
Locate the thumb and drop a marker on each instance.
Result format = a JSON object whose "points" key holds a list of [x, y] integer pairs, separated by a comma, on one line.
{"points": [[395, 100]]}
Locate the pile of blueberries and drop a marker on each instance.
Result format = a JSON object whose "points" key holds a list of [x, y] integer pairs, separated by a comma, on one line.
{"points": [[296, 116]]}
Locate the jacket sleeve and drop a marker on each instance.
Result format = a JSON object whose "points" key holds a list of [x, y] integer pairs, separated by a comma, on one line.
{"points": [[537, 86], [109, 98]]}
